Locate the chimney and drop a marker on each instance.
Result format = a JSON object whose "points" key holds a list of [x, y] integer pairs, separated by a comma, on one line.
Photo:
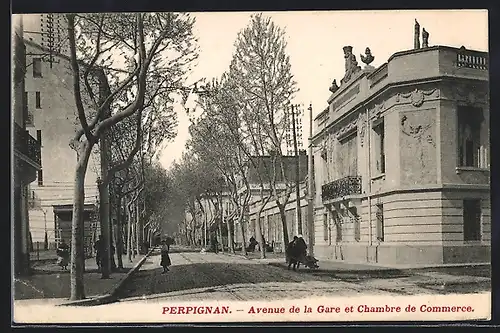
{"points": [[416, 38]]}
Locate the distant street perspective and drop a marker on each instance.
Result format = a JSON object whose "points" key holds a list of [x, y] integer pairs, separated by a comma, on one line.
{"points": [[196, 276], [175, 157]]}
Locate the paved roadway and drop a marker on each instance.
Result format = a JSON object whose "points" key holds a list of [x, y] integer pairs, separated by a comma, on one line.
{"points": [[198, 276]]}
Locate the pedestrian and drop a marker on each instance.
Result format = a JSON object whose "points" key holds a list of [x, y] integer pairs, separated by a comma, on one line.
{"points": [[165, 258], [215, 244], [63, 255], [98, 252], [290, 252], [113, 262]]}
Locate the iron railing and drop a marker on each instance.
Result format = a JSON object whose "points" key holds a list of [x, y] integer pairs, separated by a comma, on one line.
{"points": [[27, 145], [341, 187]]}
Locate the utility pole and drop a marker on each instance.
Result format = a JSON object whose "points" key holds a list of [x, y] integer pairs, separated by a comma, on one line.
{"points": [[310, 194], [298, 212]]}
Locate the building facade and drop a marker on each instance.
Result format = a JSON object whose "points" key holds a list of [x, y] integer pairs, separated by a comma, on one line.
{"points": [[271, 222], [26, 153], [53, 120], [401, 159]]}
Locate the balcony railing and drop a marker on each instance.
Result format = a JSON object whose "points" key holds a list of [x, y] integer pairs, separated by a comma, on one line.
{"points": [[25, 144], [341, 187], [470, 59]]}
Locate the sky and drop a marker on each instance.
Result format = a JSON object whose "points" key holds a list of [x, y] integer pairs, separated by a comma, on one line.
{"points": [[314, 44]]}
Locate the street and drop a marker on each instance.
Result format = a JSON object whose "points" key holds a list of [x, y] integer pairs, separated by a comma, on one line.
{"points": [[196, 276]]}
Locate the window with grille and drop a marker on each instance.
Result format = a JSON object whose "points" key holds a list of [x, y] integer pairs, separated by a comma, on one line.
{"points": [[380, 222], [379, 138], [37, 67], [347, 156], [472, 219]]}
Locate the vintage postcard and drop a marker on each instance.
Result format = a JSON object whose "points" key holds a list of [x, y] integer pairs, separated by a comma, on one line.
{"points": [[251, 167]]}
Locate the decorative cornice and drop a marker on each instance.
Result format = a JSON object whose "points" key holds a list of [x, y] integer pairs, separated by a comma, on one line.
{"points": [[377, 110], [470, 95], [415, 97]]}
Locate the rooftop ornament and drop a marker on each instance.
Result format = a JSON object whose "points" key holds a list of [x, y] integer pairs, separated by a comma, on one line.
{"points": [[334, 87], [416, 37], [425, 38], [351, 64], [368, 58]]}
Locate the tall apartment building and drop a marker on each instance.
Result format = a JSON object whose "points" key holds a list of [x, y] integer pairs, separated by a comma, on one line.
{"points": [[53, 120], [402, 165], [26, 153]]}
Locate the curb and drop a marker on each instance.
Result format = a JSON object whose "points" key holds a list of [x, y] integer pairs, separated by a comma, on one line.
{"points": [[387, 269], [247, 258], [112, 295], [235, 255]]}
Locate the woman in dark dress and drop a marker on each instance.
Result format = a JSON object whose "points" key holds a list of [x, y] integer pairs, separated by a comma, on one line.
{"points": [[165, 258]]}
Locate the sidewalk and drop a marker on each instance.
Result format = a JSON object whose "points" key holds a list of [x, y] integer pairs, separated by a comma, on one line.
{"points": [[50, 282], [270, 256], [446, 273]]}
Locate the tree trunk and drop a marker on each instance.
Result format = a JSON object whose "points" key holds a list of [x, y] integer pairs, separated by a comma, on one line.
{"points": [[129, 233], [241, 218], [77, 225], [137, 228], [133, 239], [260, 238], [258, 228], [112, 239], [285, 226], [105, 226], [219, 230], [119, 233], [229, 236], [205, 221]]}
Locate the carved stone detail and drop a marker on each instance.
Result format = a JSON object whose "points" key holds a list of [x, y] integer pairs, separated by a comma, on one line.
{"points": [[362, 124], [345, 126], [351, 64], [418, 132], [470, 95], [377, 110], [421, 146], [416, 97]]}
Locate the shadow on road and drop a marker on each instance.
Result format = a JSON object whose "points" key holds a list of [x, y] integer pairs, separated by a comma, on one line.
{"points": [[214, 276]]}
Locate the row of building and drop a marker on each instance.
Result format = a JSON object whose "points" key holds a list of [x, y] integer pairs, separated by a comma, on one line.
{"points": [[43, 124], [401, 163]]}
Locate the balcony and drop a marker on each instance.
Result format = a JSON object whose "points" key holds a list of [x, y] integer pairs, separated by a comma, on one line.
{"points": [[472, 59], [26, 147], [341, 188]]}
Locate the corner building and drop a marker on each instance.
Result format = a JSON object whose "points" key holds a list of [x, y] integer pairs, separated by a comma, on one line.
{"points": [[402, 159]]}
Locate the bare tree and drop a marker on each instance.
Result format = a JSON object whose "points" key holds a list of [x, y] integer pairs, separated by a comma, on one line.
{"points": [[150, 45], [260, 74]]}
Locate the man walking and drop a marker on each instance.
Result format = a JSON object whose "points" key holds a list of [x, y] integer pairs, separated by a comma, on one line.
{"points": [[98, 252]]}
